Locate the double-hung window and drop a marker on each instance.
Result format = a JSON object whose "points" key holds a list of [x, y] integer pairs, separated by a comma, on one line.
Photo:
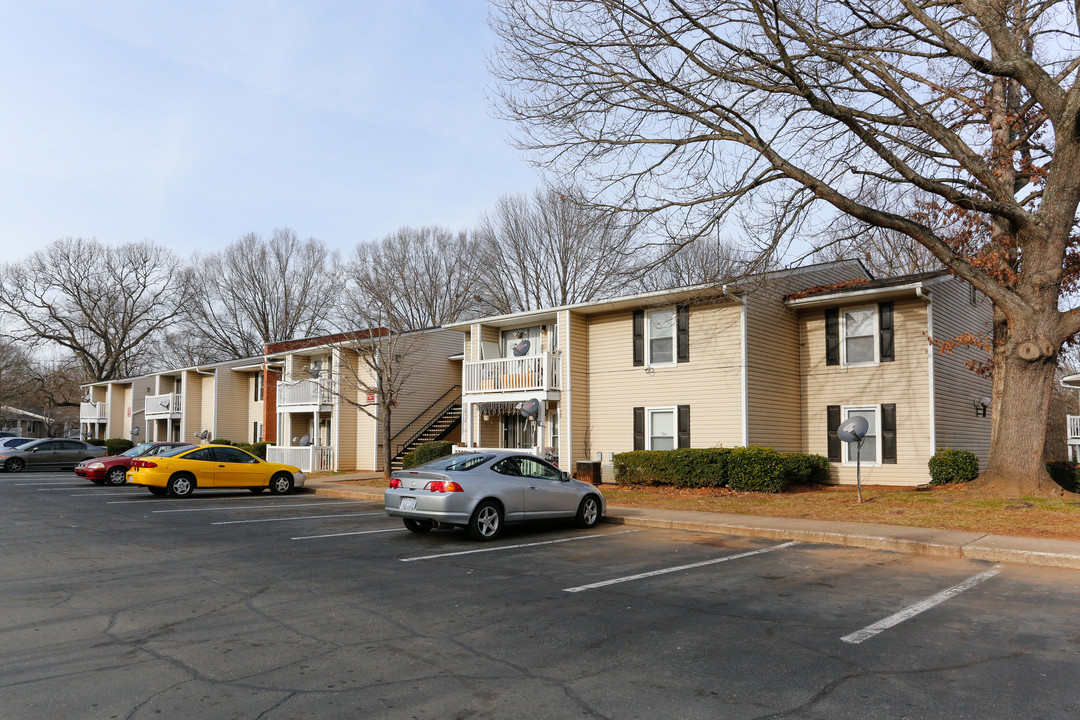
{"points": [[860, 336], [660, 423], [660, 339], [868, 451]]}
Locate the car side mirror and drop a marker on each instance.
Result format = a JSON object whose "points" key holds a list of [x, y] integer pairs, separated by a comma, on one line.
{"points": [[565, 476]]}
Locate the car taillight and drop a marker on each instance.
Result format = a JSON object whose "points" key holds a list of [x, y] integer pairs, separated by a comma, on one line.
{"points": [[443, 486], [395, 483], [144, 464]]}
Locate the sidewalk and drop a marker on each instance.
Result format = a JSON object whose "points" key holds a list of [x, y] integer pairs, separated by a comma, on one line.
{"points": [[897, 538]]}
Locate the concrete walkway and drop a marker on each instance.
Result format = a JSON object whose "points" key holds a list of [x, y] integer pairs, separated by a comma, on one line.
{"points": [[897, 538]]}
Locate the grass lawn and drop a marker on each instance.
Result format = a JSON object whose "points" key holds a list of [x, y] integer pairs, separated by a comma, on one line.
{"points": [[947, 508]]}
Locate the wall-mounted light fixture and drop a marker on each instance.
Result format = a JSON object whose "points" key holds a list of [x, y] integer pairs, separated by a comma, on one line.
{"points": [[981, 404]]}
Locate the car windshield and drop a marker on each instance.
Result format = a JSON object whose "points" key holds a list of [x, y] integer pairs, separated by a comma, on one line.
{"points": [[455, 463], [16, 442], [137, 450], [173, 452], [164, 449]]}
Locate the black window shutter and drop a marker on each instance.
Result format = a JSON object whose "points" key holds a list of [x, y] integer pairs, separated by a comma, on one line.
{"points": [[835, 454], [885, 321], [639, 338], [684, 426], [682, 315], [832, 336], [639, 428], [888, 434]]}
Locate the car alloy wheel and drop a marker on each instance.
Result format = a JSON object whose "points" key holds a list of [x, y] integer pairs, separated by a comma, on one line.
{"points": [[116, 476], [14, 465], [281, 483], [486, 521], [589, 512], [181, 486]]}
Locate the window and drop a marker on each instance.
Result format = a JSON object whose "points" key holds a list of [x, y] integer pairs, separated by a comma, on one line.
{"points": [[259, 386], [553, 428], [859, 336], [660, 336], [205, 454], [868, 452], [256, 432], [535, 468], [860, 331], [660, 424], [232, 455], [526, 339]]}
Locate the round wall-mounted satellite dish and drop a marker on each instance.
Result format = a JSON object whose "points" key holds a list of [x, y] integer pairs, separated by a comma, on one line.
{"points": [[522, 348], [135, 431], [853, 429], [305, 439], [530, 408], [315, 369]]}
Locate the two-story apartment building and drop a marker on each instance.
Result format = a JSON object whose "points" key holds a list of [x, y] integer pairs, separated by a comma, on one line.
{"points": [[736, 364]]}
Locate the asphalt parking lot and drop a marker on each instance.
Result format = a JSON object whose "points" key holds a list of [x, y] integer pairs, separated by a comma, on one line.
{"points": [[118, 604]]}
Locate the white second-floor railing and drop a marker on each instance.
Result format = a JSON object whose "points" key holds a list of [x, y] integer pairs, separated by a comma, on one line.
{"points": [[309, 458], [525, 451], [93, 412], [1074, 427], [167, 405], [292, 393], [532, 372]]}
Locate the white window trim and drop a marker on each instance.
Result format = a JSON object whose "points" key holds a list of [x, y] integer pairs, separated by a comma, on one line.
{"points": [[674, 410], [877, 417], [674, 337], [876, 337]]}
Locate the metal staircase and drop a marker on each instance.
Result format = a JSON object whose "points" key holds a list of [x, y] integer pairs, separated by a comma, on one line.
{"points": [[434, 423]]}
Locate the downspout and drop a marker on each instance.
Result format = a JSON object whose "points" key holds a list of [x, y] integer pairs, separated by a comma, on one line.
{"points": [[745, 378], [930, 365], [183, 420]]}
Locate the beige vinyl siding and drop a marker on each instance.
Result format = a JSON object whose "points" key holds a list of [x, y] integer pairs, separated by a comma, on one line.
{"points": [[193, 401], [904, 382], [431, 374], [126, 418], [117, 410], [775, 413], [345, 418], [955, 385], [710, 383], [206, 416], [574, 409]]}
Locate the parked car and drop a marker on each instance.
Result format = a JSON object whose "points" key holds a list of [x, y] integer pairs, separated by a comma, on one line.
{"points": [[48, 454], [483, 491], [113, 469], [10, 442], [6, 434], [179, 471]]}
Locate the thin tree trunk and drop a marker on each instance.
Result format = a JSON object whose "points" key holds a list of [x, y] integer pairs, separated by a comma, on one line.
{"points": [[384, 429]]}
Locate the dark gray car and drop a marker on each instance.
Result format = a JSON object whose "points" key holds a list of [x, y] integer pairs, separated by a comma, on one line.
{"points": [[48, 454]]}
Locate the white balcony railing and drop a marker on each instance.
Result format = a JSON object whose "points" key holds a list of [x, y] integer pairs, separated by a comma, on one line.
{"points": [[169, 405], [304, 393], [515, 374], [525, 451], [310, 458], [1074, 428], [93, 412]]}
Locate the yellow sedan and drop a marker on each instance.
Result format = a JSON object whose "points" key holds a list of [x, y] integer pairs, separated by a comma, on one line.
{"points": [[179, 472]]}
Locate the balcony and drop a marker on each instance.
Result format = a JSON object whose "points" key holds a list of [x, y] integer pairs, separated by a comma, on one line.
{"points": [[93, 412], [305, 395], [514, 375], [1073, 422], [309, 458], [169, 405]]}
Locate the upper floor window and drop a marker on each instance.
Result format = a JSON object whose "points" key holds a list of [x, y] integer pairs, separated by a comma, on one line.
{"points": [[859, 335], [259, 386], [660, 334]]}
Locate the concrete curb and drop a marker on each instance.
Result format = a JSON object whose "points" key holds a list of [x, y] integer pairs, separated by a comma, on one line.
{"points": [[894, 538]]}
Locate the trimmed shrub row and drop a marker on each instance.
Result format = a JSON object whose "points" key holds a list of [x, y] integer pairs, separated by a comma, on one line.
{"points": [[115, 446], [1064, 473], [426, 453], [949, 465], [757, 469]]}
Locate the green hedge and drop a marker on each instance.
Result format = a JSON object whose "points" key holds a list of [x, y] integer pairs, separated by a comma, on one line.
{"points": [[1064, 474], [115, 446], [97, 441], [221, 441], [758, 469], [426, 453], [949, 465]]}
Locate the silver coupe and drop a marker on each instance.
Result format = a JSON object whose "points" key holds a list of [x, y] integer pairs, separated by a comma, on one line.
{"points": [[483, 491]]}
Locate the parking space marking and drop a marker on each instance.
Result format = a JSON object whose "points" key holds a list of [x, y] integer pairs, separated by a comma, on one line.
{"points": [[300, 517], [69, 483], [262, 507], [101, 494], [66, 488], [664, 571], [358, 532], [513, 547], [912, 610]]}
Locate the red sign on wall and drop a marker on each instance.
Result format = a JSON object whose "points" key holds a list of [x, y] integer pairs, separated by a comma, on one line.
{"points": [[370, 398]]}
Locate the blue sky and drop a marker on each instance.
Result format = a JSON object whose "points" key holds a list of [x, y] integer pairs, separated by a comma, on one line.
{"points": [[194, 123]]}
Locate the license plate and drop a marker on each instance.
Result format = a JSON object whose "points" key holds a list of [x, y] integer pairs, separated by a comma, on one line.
{"points": [[408, 504]]}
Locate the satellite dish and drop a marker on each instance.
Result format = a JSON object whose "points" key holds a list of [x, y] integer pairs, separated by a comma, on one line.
{"points": [[164, 404], [135, 431], [305, 439], [530, 408], [853, 430], [522, 348], [203, 435], [86, 398], [315, 370]]}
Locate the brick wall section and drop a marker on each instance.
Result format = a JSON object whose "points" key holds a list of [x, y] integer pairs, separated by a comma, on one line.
{"points": [[270, 381]]}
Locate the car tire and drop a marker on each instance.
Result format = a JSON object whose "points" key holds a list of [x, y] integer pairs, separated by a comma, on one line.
{"points": [[180, 485], [486, 522], [418, 526], [96, 482], [256, 491], [588, 513], [14, 465], [160, 492], [116, 476], [281, 483]]}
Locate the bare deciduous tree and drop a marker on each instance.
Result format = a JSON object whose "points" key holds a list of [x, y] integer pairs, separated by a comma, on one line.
{"points": [[425, 276], [98, 302], [258, 291], [705, 260], [952, 123], [552, 249]]}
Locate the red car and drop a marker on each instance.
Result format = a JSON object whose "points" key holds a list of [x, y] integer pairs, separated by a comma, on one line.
{"points": [[112, 469]]}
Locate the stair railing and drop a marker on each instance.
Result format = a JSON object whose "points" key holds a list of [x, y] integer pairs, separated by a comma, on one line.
{"points": [[456, 390]]}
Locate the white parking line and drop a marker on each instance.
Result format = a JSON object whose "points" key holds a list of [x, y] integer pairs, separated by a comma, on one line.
{"points": [[261, 507], [67, 482], [513, 547], [100, 494], [912, 610], [301, 517], [66, 488], [358, 532], [703, 563]]}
